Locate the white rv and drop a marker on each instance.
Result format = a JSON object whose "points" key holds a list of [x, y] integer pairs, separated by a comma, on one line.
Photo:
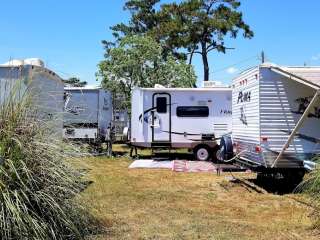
{"points": [[180, 118], [276, 118], [87, 114], [44, 86]]}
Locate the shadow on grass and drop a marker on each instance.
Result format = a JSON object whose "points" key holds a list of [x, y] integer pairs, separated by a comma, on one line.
{"points": [[273, 186], [276, 186]]}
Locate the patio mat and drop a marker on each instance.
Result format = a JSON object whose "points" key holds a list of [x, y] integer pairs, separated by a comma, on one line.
{"points": [[175, 165], [193, 166], [149, 163]]}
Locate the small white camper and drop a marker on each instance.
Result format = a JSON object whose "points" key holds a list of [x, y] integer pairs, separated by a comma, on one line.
{"points": [[276, 118], [87, 114], [180, 118], [44, 86]]}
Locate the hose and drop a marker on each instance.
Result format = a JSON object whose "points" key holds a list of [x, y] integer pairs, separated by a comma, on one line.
{"points": [[235, 157]]}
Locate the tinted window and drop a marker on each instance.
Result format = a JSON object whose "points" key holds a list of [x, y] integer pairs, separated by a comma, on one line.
{"points": [[193, 111], [161, 104]]}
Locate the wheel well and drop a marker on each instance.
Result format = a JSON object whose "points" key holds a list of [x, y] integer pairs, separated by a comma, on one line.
{"points": [[201, 145]]}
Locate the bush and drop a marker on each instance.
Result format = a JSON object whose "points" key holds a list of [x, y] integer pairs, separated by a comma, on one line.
{"points": [[311, 186], [37, 186]]}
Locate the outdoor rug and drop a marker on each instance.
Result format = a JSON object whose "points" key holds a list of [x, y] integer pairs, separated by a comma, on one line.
{"points": [[175, 165], [193, 166], [151, 164]]}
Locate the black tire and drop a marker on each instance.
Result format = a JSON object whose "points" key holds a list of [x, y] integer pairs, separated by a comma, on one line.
{"points": [[226, 148], [202, 153]]}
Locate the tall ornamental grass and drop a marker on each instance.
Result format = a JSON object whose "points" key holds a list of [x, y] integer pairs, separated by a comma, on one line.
{"points": [[38, 189], [311, 186]]}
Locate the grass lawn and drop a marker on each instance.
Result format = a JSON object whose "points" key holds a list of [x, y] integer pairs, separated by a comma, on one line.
{"points": [[160, 204]]}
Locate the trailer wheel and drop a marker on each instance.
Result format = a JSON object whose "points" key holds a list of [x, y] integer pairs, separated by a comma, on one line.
{"points": [[202, 153]]}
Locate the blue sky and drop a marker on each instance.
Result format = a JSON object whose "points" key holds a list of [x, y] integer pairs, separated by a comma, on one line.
{"points": [[67, 35]]}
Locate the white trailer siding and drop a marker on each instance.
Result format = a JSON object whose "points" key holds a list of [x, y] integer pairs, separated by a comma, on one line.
{"points": [[87, 110], [83, 107], [278, 104], [169, 127], [44, 87], [138, 126], [246, 115]]}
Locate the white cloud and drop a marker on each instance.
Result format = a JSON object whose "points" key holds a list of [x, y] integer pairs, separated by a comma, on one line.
{"points": [[315, 57], [232, 70]]}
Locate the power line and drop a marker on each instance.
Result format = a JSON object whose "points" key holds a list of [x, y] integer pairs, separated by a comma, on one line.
{"points": [[235, 64]]}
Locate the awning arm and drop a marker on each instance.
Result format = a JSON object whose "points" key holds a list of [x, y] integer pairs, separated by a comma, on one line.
{"points": [[298, 126]]}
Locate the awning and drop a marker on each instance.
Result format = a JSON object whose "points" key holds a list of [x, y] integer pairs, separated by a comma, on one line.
{"points": [[294, 77], [304, 116]]}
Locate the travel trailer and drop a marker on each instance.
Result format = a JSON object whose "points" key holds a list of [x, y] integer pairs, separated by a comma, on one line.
{"points": [[180, 118], [43, 85], [87, 114], [276, 119]]}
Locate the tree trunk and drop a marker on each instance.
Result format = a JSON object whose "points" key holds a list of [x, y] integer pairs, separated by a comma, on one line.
{"points": [[205, 61]]}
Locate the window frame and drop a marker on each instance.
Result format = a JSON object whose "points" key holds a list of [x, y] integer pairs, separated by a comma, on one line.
{"points": [[162, 107], [202, 112]]}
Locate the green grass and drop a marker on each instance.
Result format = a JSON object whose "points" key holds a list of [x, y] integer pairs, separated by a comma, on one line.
{"points": [[161, 204]]}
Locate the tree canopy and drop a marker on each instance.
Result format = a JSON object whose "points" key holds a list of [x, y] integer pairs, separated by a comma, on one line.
{"points": [[185, 28], [201, 26], [137, 62], [74, 82]]}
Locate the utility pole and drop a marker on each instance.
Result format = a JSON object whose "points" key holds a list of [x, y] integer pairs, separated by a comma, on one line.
{"points": [[262, 57]]}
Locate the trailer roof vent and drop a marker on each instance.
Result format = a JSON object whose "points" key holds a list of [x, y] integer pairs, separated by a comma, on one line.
{"points": [[14, 63], [29, 61], [34, 62], [159, 86]]}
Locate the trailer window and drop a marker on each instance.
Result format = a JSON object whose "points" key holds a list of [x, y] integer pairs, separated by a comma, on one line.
{"points": [[193, 111], [162, 105]]}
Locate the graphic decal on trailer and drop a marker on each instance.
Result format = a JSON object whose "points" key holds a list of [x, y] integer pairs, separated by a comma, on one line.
{"points": [[225, 112], [75, 110], [244, 97], [243, 117]]}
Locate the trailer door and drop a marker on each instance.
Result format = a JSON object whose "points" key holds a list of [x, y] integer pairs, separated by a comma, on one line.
{"points": [[161, 119]]}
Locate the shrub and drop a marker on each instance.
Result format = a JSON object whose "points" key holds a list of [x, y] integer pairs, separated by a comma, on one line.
{"points": [[38, 188], [311, 186]]}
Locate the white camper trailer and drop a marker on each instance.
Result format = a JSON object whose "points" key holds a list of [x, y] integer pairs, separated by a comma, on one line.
{"points": [[87, 114], [180, 118], [45, 88], [276, 118]]}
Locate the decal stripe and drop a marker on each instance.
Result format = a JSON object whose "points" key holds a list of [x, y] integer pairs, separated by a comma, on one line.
{"points": [[150, 109]]}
